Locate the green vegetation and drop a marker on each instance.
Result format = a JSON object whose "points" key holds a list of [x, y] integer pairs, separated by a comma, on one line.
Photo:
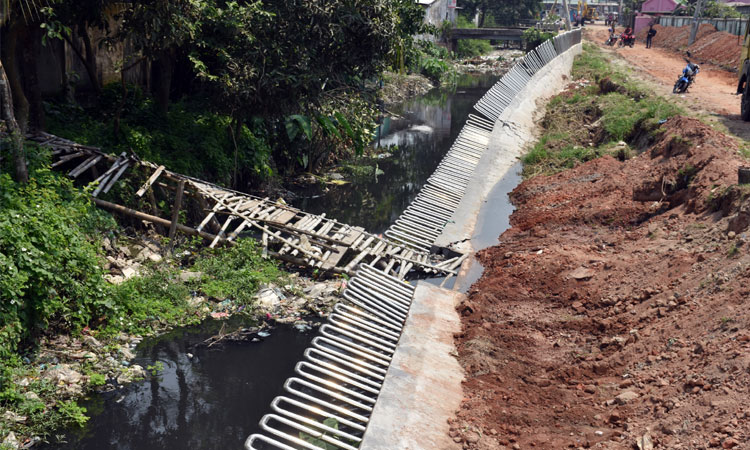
{"points": [[499, 12], [52, 283], [599, 116], [229, 91], [535, 37], [187, 139], [50, 274], [236, 273], [432, 61], [469, 48]]}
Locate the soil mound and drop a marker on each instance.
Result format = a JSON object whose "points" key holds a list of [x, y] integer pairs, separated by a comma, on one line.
{"points": [[608, 316], [716, 47]]}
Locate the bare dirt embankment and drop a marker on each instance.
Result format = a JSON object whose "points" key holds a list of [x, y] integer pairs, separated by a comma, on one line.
{"points": [[614, 313], [600, 318], [716, 47]]}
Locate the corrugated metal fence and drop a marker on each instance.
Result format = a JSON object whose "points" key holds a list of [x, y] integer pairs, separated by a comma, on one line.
{"points": [[731, 26]]}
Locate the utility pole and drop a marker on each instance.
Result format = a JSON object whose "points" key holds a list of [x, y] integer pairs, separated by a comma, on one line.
{"points": [[696, 22], [619, 14], [566, 13]]}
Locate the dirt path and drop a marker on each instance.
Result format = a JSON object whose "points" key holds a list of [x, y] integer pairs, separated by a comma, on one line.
{"points": [[712, 94]]}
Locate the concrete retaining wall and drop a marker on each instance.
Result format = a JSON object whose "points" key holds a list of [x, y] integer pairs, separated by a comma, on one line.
{"points": [[422, 389], [514, 131]]}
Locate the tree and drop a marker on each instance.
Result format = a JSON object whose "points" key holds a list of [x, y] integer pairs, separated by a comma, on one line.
{"points": [[299, 63], [504, 12], [160, 30], [8, 11], [73, 21]]}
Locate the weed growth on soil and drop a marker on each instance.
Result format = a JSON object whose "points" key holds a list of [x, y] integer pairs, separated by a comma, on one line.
{"points": [[601, 113]]}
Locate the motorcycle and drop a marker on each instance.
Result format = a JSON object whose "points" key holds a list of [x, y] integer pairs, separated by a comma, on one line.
{"points": [[611, 41], [687, 78], [626, 39]]}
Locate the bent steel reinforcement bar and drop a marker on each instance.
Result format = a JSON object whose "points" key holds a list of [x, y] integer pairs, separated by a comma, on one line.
{"points": [[335, 387]]}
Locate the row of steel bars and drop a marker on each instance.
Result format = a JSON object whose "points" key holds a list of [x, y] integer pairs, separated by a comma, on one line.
{"points": [[335, 386], [338, 382], [423, 221], [494, 102]]}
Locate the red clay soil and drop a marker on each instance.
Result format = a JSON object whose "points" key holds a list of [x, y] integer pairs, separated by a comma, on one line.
{"points": [[716, 47], [601, 321]]}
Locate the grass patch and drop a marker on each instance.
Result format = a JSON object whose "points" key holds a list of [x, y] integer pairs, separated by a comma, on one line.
{"points": [[592, 118]]}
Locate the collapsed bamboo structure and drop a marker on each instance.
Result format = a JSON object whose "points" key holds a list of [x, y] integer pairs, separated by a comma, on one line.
{"points": [[285, 233]]}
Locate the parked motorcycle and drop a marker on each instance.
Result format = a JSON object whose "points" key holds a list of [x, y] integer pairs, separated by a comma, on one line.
{"points": [[687, 78], [626, 39], [611, 41]]}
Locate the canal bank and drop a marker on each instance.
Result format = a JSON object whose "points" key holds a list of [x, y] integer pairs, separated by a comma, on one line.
{"points": [[191, 389], [422, 389]]}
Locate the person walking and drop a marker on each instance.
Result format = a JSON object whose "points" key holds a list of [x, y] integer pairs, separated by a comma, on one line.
{"points": [[650, 35]]}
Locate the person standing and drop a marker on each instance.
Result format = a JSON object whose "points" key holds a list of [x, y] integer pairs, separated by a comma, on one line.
{"points": [[650, 35]]}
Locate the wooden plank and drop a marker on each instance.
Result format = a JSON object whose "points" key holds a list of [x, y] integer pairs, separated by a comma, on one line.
{"points": [[334, 258], [285, 217], [113, 179], [210, 219], [222, 231], [263, 228], [250, 204], [355, 242], [352, 236], [364, 244], [238, 230], [103, 177], [93, 159], [176, 213], [67, 158], [353, 263], [150, 181]]}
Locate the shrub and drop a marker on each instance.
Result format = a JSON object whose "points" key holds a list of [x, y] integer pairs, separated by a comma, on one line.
{"points": [[469, 48], [189, 139], [535, 37], [50, 274], [236, 273]]}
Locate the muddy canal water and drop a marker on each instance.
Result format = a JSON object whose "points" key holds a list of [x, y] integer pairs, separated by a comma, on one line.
{"points": [[213, 398], [419, 134]]}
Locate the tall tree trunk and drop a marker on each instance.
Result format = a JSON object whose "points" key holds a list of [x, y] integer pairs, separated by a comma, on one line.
{"points": [[90, 60], [10, 60], [31, 51], [11, 127], [164, 68]]}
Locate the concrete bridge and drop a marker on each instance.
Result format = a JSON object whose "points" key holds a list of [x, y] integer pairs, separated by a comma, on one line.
{"points": [[510, 34]]}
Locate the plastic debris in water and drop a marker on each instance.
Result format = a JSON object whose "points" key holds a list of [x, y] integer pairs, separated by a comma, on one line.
{"points": [[264, 334]]}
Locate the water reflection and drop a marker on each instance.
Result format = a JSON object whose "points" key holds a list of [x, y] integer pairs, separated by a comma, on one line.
{"points": [[210, 401], [419, 133]]}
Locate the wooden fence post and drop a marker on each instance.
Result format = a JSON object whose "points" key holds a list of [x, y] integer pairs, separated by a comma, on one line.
{"points": [[176, 212]]}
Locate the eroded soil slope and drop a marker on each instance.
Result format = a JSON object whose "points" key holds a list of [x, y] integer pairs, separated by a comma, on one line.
{"points": [[602, 320]]}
